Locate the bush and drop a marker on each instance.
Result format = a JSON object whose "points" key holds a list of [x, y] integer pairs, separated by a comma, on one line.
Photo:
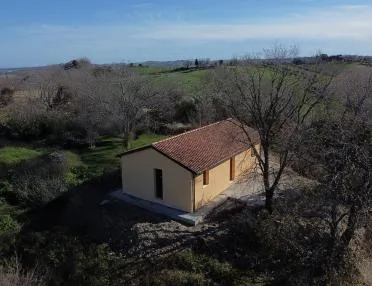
{"points": [[178, 277], [30, 127], [34, 191], [6, 96], [77, 175], [185, 110], [36, 182], [32, 122], [190, 268], [9, 229], [70, 260], [8, 224]]}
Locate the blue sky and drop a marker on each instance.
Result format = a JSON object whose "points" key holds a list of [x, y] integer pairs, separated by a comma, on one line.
{"points": [[39, 32]]}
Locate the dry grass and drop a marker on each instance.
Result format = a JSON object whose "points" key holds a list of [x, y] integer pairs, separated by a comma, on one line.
{"points": [[365, 262], [13, 274]]}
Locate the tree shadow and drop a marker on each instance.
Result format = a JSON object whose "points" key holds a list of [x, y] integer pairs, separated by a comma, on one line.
{"points": [[184, 70], [87, 211]]}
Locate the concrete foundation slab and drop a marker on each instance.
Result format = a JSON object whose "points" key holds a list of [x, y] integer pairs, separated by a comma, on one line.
{"points": [[175, 214]]}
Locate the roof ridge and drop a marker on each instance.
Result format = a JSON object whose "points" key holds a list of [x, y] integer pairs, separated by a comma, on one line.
{"points": [[187, 132]]}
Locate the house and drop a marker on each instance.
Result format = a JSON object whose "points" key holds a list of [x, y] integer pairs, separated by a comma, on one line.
{"points": [[188, 170]]}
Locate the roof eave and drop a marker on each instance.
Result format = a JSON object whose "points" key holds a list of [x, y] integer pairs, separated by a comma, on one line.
{"points": [[179, 163], [134, 150], [225, 159], [163, 153]]}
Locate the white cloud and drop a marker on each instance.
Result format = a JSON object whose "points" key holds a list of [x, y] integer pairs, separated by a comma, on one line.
{"points": [[341, 29], [351, 22]]}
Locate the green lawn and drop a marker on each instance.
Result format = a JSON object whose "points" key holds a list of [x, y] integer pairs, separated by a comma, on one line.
{"points": [[14, 155], [104, 157]]}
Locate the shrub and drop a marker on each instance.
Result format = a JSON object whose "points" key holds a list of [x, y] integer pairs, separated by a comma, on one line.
{"points": [[70, 259], [34, 191], [185, 110], [28, 127], [178, 277], [36, 182], [9, 229], [8, 224], [190, 268], [77, 175], [6, 96]]}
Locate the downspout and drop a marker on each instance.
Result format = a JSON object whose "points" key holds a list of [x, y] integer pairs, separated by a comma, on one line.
{"points": [[193, 192]]}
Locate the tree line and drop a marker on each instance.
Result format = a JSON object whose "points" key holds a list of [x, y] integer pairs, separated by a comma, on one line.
{"points": [[77, 103]]}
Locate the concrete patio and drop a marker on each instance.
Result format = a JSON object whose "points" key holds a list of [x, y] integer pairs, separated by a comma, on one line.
{"points": [[247, 188]]}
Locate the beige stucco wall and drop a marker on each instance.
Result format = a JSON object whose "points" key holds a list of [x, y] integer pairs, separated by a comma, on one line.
{"points": [[138, 179], [244, 162], [219, 180], [219, 177]]}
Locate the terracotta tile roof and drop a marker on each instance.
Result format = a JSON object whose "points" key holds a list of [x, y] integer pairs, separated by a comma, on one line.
{"points": [[204, 148]]}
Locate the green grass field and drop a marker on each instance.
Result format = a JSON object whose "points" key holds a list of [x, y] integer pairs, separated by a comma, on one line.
{"points": [[104, 157], [189, 81], [95, 162], [15, 155]]}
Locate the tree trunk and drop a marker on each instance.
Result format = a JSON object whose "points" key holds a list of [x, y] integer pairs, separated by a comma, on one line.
{"points": [[269, 190], [127, 138], [269, 200], [350, 229], [338, 247], [126, 142]]}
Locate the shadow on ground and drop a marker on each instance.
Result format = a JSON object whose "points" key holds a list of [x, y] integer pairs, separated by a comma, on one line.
{"points": [[85, 210]]}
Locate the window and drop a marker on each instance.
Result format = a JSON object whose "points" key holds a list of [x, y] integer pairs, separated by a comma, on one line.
{"points": [[158, 174], [206, 178], [232, 168]]}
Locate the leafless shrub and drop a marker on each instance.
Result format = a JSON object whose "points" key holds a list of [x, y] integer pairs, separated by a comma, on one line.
{"points": [[40, 180], [13, 274]]}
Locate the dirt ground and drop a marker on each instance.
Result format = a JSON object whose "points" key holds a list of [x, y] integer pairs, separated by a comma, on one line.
{"points": [[153, 235]]}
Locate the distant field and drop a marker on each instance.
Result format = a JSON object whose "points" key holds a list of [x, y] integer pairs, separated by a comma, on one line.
{"points": [[191, 81]]}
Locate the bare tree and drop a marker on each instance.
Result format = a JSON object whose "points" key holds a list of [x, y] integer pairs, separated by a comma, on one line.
{"points": [[353, 89], [345, 191], [52, 86], [129, 99], [91, 104], [275, 100], [339, 144]]}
